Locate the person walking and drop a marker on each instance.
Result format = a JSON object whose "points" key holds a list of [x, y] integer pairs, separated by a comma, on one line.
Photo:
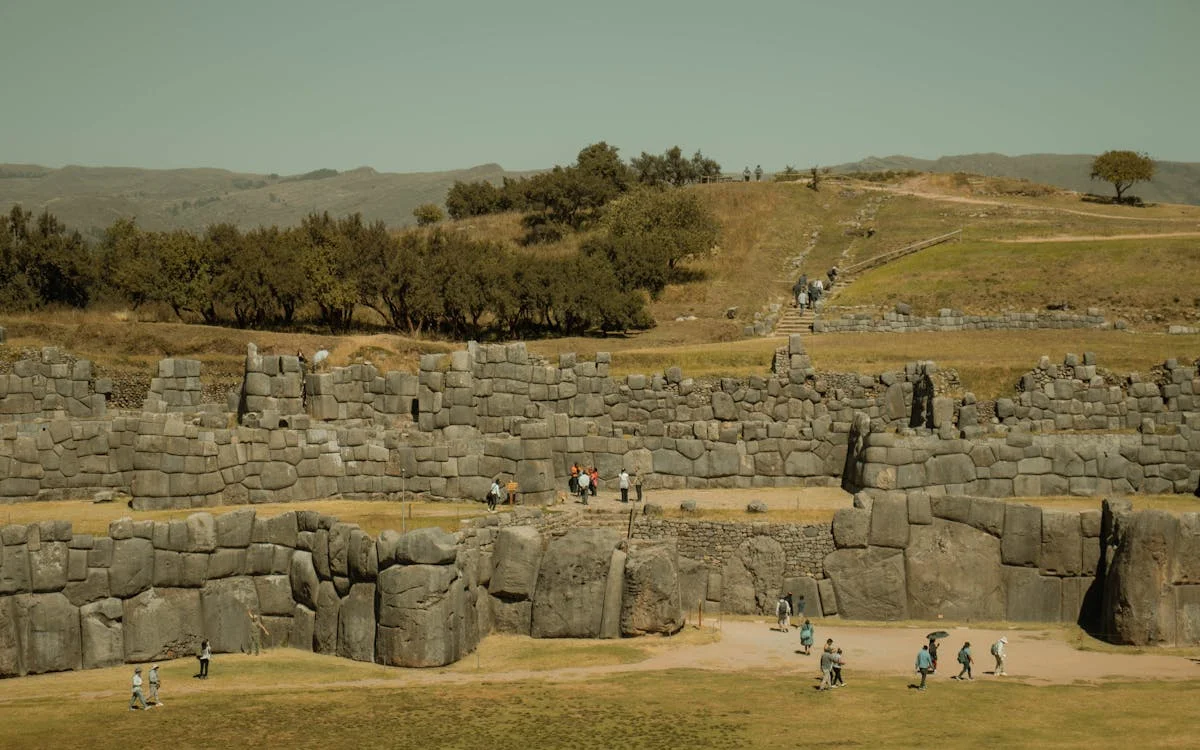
{"points": [[933, 653], [838, 663], [573, 482], [584, 480], [827, 662], [637, 484], [924, 665], [594, 480], [153, 677], [999, 651], [137, 697], [204, 656], [257, 631], [623, 483], [806, 637], [964, 658], [746, 174], [758, 173], [493, 495], [783, 612]]}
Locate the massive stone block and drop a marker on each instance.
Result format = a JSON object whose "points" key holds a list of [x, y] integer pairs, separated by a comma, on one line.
{"points": [[693, 584], [274, 595], [851, 527], [102, 634], [426, 616], [1138, 601], [235, 528], [356, 624], [1021, 543], [1032, 597], [753, 577], [14, 569], [132, 569], [806, 597], [10, 643], [569, 597], [227, 604], [869, 583], [303, 622], [325, 623], [515, 560], [953, 571], [303, 579], [511, 616], [610, 619], [361, 556], [889, 522], [430, 546], [44, 628], [48, 567], [162, 624], [650, 600], [1062, 543]]}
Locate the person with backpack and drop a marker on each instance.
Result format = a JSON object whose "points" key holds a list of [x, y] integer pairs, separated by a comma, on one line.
{"points": [[806, 637], [964, 658], [998, 651], [783, 611]]}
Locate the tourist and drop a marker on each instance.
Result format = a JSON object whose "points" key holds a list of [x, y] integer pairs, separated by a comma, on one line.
{"points": [[797, 291], [783, 611], [257, 631], [637, 484], [827, 662], [964, 658], [924, 665], [832, 274], [204, 657], [998, 651], [933, 649], [806, 637], [623, 483], [594, 480], [802, 299], [493, 495], [746, 174], [511, 488], [137, 698], [799, 607], [573, 482], [584, 480], [838, 663], [153, 677], [758, 173]]}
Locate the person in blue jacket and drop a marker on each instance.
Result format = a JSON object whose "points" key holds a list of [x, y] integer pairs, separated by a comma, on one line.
{"points": [[924, 664]]}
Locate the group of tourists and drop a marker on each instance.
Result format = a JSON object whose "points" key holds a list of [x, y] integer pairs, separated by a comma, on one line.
{"points": [[808, 292], [927, 659], [138, 699], [585, 482]]}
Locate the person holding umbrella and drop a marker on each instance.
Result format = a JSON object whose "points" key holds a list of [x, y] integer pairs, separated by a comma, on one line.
{"points": [[934, 637]]}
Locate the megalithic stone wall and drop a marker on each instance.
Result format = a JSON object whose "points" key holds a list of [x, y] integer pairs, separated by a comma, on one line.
{"points": [[154, 590], [52, 386]]}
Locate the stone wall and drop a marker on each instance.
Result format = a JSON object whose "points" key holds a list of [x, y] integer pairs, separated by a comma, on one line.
{"points": [[955, 320], [176, 388], [715, 542], [52, 386], [154, 590]]}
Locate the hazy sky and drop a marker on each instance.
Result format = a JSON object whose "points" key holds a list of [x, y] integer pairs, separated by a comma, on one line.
{"points": [[291, 85]]}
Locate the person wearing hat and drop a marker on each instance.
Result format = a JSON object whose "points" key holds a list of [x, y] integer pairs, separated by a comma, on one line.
{"points": [[998, 651], [153, 676], [137, 697]]}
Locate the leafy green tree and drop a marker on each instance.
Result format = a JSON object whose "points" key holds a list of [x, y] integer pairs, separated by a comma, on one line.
{"points": [[670, 225], [428, 214], [330, 265], [466, 199], [43, 262], [1122, 169]]}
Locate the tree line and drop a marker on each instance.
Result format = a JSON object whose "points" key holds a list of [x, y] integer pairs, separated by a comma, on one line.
{"points": [[428, 280]]}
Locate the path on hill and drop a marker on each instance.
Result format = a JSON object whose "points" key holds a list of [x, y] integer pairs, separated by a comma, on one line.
{"points": [[1096, 237], [994, 202]]}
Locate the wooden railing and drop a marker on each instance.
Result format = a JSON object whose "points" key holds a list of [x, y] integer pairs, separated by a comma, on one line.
{"points": [[891, 255]]}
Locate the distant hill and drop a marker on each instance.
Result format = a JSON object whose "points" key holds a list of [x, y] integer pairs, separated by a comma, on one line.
{"points": [[91, 198], [1174, 181]]}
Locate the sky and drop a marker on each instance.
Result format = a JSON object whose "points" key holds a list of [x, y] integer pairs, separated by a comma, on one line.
{"points": [[288, 86]]}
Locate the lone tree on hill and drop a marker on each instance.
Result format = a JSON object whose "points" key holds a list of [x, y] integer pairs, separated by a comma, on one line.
{"points": [[428, 214], [1122, 169]]}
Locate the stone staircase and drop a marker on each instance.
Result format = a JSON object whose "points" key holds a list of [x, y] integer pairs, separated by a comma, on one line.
{"points": [[605, 518], [793, 320]]}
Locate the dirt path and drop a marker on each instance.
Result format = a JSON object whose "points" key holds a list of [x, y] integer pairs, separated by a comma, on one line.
{"points": [[1097, 237], [1006, 204]]}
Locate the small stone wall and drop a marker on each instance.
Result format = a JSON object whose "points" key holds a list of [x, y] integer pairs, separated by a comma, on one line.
{"points": [[714, 542], [177, 387], [51, 387], [955, 320]]}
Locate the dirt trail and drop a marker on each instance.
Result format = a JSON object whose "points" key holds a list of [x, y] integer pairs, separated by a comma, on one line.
{"points": [[1097, 237], [1006, 204]]}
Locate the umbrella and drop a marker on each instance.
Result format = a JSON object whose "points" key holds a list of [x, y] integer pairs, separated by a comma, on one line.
{"points": [[938, 635]]}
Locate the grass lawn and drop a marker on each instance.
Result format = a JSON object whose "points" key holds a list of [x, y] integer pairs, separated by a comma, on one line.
{"points": [[291, 699]]}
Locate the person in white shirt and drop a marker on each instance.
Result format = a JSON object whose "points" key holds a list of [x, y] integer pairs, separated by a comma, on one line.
{"points": [[623, 483], [137, 697], [584, 481]]}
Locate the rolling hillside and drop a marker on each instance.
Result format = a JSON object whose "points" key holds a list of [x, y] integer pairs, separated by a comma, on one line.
{"points": [[1174, 181], [91, 198]]}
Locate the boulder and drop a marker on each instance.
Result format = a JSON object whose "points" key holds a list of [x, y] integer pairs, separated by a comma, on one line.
{"points": [[356, 624], [869, 583], [92, 588], [325, 622], [511, 616], [14, 568], [234, 528], [45, 631], [1187, 614], [829, 606], [48, 567], [132, 569], [1021, 542], [361, 554], [953, 571], [339, 549], [919, 509], [303, 579], [650, 598], [889, 522], [102, 636], [568, 599], [10, 643], [162, 624], [303, 622], [610, 620], [988, 515], [1187, 554], [851, 527], [1139, 606], [515, 561], [226, 604], [429, 546], [226, 562], [426, 616], [283, 529], [201, 533], [693, 584], [753, 577], [806, 597], [274, 595]]}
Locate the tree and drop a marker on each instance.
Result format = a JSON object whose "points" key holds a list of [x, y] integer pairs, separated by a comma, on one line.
{"points": [[428, 214], [669, 224], [466, 199], [1122, 169]]}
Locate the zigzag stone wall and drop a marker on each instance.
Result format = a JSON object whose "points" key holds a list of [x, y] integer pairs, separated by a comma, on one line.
{"points": [[956, 320]]}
